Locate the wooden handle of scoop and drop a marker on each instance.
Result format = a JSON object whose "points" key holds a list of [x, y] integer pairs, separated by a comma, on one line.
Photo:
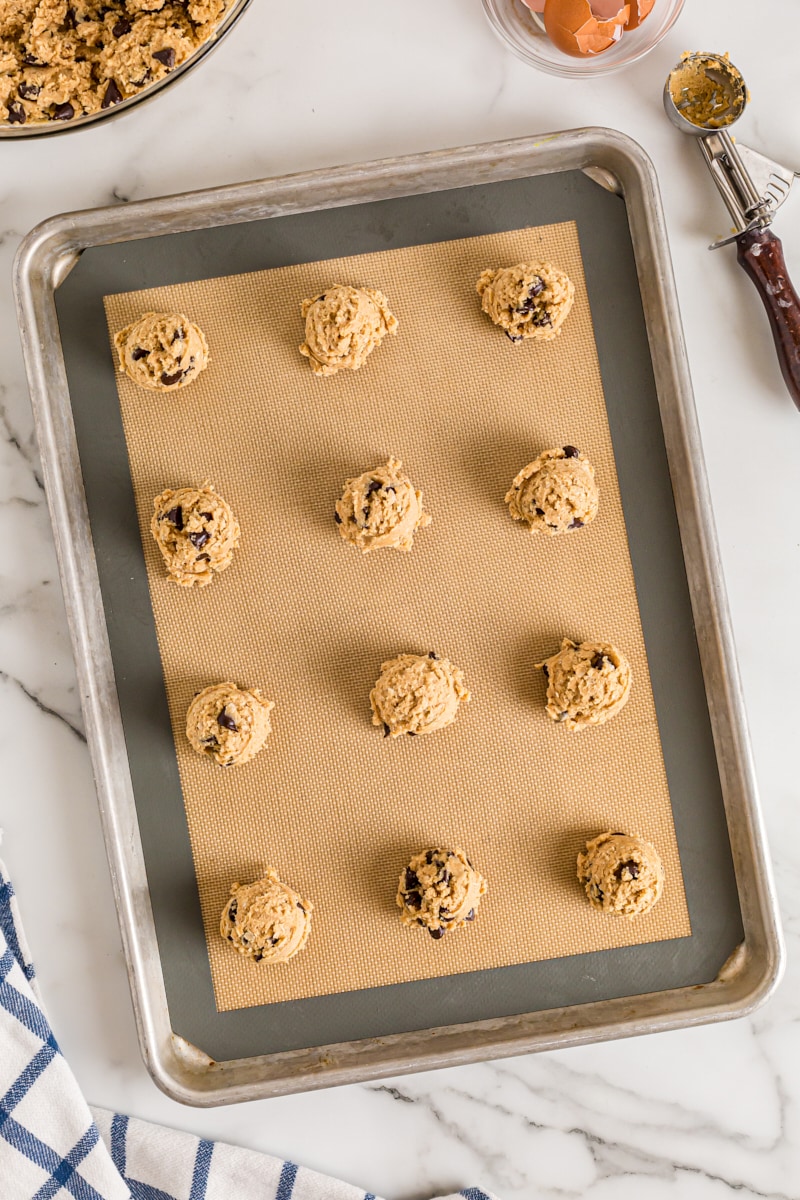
{"points": [[761, 254]]}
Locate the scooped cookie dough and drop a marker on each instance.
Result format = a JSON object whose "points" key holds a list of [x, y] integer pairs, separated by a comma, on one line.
{"points": [[529, 300], [266, 920], [587, 683], [380, 508], [162, 351], [621, 874], [440, 890], [60, 59], [555, 493], [196, 533], [228, 723], [417, 693], [343, 326]]}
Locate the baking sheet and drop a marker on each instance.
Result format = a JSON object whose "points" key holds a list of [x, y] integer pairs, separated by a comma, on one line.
{"points": [[657, 564]]}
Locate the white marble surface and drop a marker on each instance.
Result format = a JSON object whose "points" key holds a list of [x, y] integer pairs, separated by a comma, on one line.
{"points": [[699, 1114]]}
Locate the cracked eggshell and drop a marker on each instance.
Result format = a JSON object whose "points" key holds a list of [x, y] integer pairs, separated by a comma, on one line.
{"points": [[639, 10], [574, 28], [535, 5]]}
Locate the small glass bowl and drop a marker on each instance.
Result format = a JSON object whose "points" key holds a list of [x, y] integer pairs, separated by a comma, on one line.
{"points": [[52, 128], [523, 32]]}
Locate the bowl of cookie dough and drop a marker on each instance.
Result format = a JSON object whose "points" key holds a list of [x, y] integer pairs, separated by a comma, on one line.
{"points": [[65, 64]]}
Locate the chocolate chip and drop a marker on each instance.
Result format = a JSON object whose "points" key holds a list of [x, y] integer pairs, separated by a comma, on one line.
{"points": [[546, 670], [629, 866], [386, 730], [337, 518], [168, 380], [412, 900], [29, 91], [257, 957], [576, 524], [227, 722], [541, 321], [511, 337], [63, 112], [410, 880], [388, 488], [470, 915], [199, 540], [411, 733], [113, 95], [30, 60], [537, 287], [445, 876], [322, 297], [177, 336], [618, 835], [598, 893], [437, 933], [539, 512], [16, 113], [175, 516], [122, 27], [166, 57], [148, 75], [598, 661], [233, 908], [138, 353], [207, 516], [69, 19], [374, 485], [420, 921], [302, 910], [432, 655], [365, 515], [562, 716], [274, 941], [429, 856], [571, 451], [209, 741], [203, 558]]}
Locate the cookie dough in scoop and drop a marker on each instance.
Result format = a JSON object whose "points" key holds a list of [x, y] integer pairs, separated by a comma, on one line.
{"points": [[380, 508], [556, 493], [343, 326], [228, 723], [162, 351], [587, 683], [621, 874], [266, 920], [439, 890], [529, 300], [196, 533], [416, 694]]}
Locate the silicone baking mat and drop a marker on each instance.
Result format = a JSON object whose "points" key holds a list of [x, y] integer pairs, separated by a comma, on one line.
{"points": [[333, 806]]}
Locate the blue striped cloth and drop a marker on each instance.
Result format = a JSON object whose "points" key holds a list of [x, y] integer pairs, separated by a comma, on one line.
{"points": [[53, 1146]]}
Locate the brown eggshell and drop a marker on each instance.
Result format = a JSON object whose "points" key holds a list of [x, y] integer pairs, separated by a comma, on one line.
{"points": [[574, 29], [534, 5], [639, 10]]}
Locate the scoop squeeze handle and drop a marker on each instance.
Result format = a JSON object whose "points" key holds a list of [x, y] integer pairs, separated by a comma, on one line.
{"points": [[761, 254]]}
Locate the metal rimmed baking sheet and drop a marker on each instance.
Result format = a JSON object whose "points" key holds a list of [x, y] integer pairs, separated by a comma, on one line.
{"points": [[425, 199]]}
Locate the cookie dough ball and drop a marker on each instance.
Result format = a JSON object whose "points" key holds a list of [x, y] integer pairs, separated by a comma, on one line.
{"points": [[343, 326], [266, 920], [196, 533], [440, 890], [529, 300], [228, 723], [587, 683], [556, 492], [621, 874], [162, 351], [380, 508], [417, 693]]}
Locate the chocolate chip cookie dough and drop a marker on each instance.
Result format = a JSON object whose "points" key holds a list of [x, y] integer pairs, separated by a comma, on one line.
{"points": [[196, 533], [162, 351], [416, 694], [529, 300], [587, 683], [621, 874], [60, 59], [266, 920], [343, 326], [228, 723], [555, 493], [440, 890], [380, 508]]}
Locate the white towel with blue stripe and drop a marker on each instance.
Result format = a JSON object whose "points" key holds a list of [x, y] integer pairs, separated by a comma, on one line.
{"points": [[53, 1146]]}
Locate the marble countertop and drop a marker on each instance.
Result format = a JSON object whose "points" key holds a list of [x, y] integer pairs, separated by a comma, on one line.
{"points": [[700, 1113]]}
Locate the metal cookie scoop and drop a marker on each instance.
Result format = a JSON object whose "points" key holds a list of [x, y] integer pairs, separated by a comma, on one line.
{"points": [[704, 95]]}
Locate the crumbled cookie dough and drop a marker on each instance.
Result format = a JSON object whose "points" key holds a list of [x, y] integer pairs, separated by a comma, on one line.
{"points": [[555, 493], [621, 874], [440, 890], [417, 693], [343, 326], [587, 683], [162, 351], [196, 533], [266, 920], [60, 59], [228, 723], [708, 90], [529, 300], [380, 508]]}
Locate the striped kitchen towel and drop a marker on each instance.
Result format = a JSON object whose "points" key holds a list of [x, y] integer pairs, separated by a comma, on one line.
{"points": [[53, 1146]]}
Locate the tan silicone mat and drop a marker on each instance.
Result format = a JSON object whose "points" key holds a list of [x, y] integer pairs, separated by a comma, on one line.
{"points": [[333, 806]]}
